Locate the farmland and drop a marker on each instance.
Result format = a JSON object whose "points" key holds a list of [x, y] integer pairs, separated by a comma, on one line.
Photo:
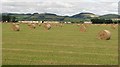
{"points": [[60, 45]]}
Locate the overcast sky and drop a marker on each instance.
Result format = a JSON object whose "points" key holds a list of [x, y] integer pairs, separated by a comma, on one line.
{"points": [[61, 7]]}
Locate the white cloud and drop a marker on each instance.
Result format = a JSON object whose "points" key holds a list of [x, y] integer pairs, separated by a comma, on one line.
{"points": [[60, 7], [47, 0], [108, 0], [60, 0], [20, 0]]}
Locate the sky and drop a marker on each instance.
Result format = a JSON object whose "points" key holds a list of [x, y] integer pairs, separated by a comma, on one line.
{"points": [[60, 7]]}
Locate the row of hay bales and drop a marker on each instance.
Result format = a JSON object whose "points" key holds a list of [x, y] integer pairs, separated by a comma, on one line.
{"points": [[53, 23], [33, 25], [113, 26], [25, 22], [103, 35]]}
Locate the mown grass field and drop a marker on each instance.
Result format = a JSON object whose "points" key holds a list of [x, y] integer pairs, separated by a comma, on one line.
{"points": [[60, 46]]}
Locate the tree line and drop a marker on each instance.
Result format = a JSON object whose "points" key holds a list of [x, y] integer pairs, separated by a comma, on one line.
{"points": [[104, 21], [8, 18]]}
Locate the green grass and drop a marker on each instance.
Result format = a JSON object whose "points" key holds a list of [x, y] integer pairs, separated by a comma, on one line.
{"points": [[66, 45]]}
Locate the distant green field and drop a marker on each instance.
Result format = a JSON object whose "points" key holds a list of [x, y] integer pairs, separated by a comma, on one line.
{"points": [[60, 45]]}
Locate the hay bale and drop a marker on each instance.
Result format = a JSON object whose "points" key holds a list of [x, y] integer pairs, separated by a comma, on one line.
{"points": [[32, 25], [103, 24], [104, 35], [78, 24], [47, 26], [15, 27], [29, 24], [82, 28], [60, 25], [39, 24], [86, 25]]}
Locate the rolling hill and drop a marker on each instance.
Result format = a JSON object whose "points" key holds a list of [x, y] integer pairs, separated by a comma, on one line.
{"points": [[53, 17], [110, 16], [84, 15]]}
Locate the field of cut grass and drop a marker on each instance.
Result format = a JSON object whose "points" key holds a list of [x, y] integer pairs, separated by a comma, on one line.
{"points": [[59, 46]]}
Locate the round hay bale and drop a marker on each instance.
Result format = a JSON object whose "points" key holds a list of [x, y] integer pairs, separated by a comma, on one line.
{"points": [[47, 26], [78, 24], [13, 23], [103, 24], [57, 24], [82, 28], [32, 25], [104, 35], [61, 25], [15, 27], [29, 24], [39, 24]]}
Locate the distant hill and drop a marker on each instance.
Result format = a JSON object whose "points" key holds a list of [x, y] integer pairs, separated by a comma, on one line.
{"points": [[110, 16], [46, 16], [53, 17], [36, 16], [84, 15]]}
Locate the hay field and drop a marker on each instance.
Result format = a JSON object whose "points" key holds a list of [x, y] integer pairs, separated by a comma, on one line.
{"points": [[59, 46]]}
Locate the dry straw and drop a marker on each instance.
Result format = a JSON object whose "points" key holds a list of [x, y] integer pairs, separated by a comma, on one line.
{"points": [[61, 25], [86, 25], [32, 25], [78, 24], [39, 24], [15, 27], [82, 28], [47, 26], [104, 35]]}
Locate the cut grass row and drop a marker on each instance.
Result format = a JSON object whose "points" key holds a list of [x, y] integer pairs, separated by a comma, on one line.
{"points": [[66, 45]]}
